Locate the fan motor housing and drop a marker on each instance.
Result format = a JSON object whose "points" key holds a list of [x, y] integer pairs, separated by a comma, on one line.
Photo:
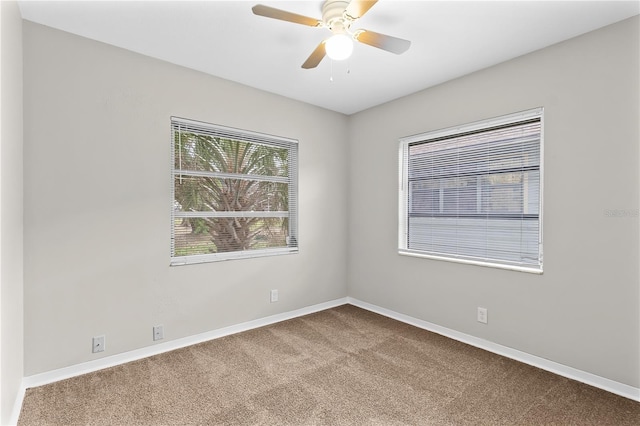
{"points": [[333, 15]]}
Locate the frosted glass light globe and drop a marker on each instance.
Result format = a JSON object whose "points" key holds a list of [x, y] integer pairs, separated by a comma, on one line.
{"points": [[339, 47]]}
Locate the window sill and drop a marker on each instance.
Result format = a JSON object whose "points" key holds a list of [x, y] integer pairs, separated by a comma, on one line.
{"points": [[208, 258], [527, 269]]}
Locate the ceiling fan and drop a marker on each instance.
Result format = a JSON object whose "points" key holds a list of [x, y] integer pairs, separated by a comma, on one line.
{"points": [[338, 16]]}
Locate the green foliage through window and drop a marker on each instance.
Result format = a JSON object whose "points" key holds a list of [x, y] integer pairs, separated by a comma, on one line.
{"points": [[232, 194]]}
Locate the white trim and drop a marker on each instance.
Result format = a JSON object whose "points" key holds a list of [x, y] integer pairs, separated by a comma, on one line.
{"points": [[603, 383], [476, 125], [231, 131], [496, 264], [17, 405], [220, 175], [232, 213], [230, 255], [541, 193], [291, 145], [404, 193], [41, 379], [111, 361]]}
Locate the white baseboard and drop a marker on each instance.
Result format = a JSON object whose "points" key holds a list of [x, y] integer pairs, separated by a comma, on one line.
{"points": [[99, 364], [17, 405], [542, 363]]}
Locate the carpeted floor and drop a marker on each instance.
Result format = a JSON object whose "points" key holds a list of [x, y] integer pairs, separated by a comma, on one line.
{"points": [[342, 366]]}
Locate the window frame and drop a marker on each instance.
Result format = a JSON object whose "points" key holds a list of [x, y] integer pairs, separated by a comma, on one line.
{"points": [[404, 193], [244, 136]]}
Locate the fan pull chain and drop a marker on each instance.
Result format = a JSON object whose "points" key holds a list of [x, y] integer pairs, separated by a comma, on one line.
{"points": [[331, 68], [331, 75]]}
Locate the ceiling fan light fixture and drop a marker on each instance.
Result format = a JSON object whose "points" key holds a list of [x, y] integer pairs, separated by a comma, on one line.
{"points": [[338, 17], [339, 47]]}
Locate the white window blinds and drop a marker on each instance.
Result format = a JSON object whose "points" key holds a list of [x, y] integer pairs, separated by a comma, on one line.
{"points": [[473, 193], [234, 193]]}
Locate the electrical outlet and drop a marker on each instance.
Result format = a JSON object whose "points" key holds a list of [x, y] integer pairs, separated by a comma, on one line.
{"points": [[274, 296], [158, 332], [98, 344], [482, 315]]}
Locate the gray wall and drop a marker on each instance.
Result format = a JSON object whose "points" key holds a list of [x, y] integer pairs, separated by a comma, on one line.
{"points": [[11, 269], [584, 310], [97, 202]]}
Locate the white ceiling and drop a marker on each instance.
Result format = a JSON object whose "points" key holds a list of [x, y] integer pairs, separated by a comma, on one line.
{"points": [[225, 39]]}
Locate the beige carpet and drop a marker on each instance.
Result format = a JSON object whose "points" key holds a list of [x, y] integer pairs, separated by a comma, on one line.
{"points": [[342, 366]]}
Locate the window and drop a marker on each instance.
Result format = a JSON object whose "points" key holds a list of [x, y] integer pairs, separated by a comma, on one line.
{"points": [[474, 193], [234, 193]]}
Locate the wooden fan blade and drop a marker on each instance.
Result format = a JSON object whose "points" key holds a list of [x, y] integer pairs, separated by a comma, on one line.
{"points": [[382, 41], [357, 8], [314, 59], [271, 12]]}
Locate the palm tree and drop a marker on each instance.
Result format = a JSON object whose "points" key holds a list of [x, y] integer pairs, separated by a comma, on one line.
{"points": [[224, 175]]}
